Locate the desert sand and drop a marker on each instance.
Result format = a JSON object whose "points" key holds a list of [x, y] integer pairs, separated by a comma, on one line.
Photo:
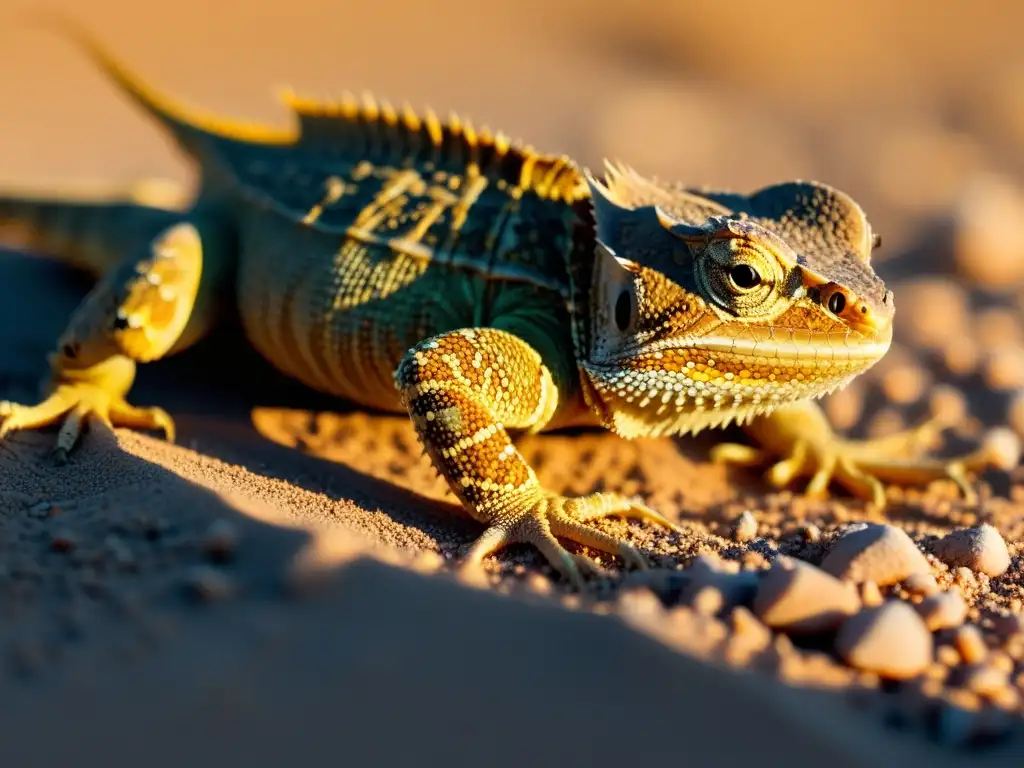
{"points": [[282, 585]]}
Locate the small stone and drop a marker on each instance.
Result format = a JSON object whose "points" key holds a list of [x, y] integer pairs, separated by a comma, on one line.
{"points": [[921, 584], [1008, 625], [119, 552], [63, 541], [432, 562], [639, 606], [964, 577], [1002, 447], [538, 584], [209, 584], [935, 310], [944, 610], [970, 644], [985, 679], [1003, 367], [800, 598], [989, 239], [708, 601], [1002, 662], [473, 574], [980, 548], [746, 623], [905, 383], [948, 404], [891, 640], [220, 540], [1015, 412], [810, 532], [745, 528], [948, 656], [870, 594], [883, 554]]}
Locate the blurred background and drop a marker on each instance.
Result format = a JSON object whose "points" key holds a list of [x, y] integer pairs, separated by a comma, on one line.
{"points": [[908, 105], [915, 108]]}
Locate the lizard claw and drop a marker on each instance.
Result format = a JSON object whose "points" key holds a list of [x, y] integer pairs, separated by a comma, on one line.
{"points": [[76, 404], [554, 517], [862, 466]]}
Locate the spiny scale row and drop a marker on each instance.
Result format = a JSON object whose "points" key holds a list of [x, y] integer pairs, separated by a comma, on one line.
{"points": [[457, 144]]}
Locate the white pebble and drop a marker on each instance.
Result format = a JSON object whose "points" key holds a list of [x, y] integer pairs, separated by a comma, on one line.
{"points": [[890, 640]]}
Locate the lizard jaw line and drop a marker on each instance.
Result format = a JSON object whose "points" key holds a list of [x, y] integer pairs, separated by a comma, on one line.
{"points": [[795, 351]]}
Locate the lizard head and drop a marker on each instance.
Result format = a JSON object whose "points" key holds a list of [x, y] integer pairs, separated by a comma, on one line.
{"points": [[707, 308]]}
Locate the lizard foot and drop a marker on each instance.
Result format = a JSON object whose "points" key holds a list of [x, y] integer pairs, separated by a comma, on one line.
{"points": [[555, 517], [861, 466], [75, 404]]}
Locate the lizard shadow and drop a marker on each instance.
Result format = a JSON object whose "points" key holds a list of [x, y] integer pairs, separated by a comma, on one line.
{"points": [[212, 390]]}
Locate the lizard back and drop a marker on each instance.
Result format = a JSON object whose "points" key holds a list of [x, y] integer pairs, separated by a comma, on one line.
{"points": [[373, 230]]}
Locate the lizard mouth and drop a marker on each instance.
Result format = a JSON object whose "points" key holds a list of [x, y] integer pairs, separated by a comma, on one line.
{"points": [[684, 385], [833, 347], [757, 343]]}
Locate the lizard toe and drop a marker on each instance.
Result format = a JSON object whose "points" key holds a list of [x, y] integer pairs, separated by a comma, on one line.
{"points": [[76, 405], [556, 517]]}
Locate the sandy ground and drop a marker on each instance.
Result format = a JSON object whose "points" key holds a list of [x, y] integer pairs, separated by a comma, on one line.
{"points": [[279, 586]]}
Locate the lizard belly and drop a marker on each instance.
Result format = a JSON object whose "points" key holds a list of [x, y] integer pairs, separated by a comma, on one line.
{"points": [[334, 313]]}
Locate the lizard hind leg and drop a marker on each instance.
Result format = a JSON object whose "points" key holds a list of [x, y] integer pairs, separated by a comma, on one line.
{"points": [[135, 313], [462, 390]]}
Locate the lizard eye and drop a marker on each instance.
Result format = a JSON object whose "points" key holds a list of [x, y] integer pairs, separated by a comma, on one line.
{"points": [[624, 310], [837, 303], [744, 276]]}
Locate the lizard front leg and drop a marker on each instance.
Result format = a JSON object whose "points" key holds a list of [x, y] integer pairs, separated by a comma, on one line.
{"points": [[135, 313], [801, 442], [463, 389]]}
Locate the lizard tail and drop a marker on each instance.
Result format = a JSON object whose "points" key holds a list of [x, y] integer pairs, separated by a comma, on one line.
{"points": [[188, 126], [90, 229]]}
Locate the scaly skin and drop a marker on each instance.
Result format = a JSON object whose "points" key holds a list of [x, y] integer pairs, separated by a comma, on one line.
{"points": [[486, 289]]}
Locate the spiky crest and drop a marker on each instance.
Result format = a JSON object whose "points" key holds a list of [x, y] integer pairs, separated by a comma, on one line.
{"points": [[379, 133]]}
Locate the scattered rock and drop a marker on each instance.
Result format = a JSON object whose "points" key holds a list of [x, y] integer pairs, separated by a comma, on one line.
{"points": [[220, 540], [708, 601], [985, 679], [637, 605], [943, 610], [1008, 625], [870, 594], [208, 584], [1002, 447], [879, 553], [981, 548], [63, 541], [921, 584], [1003, 367], [810, 532], [964, 578], [970, 644], [890, 640], [800, 598], [119, 552], [745, 528], [934, 310], [989, 238]]}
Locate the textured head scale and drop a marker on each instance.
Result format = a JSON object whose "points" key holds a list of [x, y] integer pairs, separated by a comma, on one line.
{"points": [[711, 307]]}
